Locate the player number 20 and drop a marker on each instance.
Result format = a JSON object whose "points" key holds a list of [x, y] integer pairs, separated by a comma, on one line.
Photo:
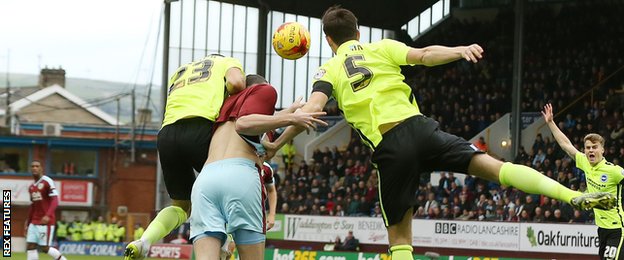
{"points": [[610, 252]]}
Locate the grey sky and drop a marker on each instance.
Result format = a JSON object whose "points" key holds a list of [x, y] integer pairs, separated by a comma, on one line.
{"points": [[89, 39]]}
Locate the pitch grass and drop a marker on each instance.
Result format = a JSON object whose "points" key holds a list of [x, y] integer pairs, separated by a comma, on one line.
{"points": [[22, 256]]}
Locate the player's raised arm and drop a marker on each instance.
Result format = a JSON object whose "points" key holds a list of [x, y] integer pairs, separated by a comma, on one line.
{"points": [[437, 55], [315, 104], [561, 138]]}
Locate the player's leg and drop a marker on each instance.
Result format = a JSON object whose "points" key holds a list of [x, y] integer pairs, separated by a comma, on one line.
{"points": [[32, 239], [208, 220], [452, 153], [531, 181], [398, 159], [244, 205], [179, 177], [250, 244], [400, 237], [208, 246], [45, 232], [610, 244]]}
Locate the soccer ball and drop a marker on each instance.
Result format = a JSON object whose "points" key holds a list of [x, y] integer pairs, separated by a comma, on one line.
{"points": [[291, 40]]}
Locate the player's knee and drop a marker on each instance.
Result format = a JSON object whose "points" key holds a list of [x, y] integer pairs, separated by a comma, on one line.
{"points": [[44, 249], [184, 205]]}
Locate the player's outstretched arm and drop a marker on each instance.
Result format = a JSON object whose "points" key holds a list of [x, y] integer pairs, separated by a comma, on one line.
{"points": [[316, 103], [561, 138], [437, 55], [256, 124]]}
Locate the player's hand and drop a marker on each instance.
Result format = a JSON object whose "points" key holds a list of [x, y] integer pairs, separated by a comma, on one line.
{"points": [[271, 149], [307, 120], [548, 113], [296, 105], [45, 220], [472, 53], [270, 221]]}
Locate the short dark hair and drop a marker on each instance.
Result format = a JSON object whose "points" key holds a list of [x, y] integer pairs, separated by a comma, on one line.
{"points": [[253, 79], [340, 24]]}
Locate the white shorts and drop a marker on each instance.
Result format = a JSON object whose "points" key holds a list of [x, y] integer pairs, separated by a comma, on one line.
{"points": [[40, 234]]}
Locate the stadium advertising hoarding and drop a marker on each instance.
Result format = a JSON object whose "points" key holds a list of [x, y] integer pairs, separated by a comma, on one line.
{"points": [[92, 248], [286, 254], [171, 251], [503, 236], [582, 239], [71, 193], [466, 234], [326, 229]]}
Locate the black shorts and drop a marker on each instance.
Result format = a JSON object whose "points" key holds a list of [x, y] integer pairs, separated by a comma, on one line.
{"points": [[182, 148], [610, 243], [413, 147]]}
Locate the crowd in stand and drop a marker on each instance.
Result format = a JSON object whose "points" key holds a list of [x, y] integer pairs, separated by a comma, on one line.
{"points": [[95, 230], [566, 53]]}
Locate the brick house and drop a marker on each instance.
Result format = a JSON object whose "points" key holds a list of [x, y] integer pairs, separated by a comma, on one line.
{"points": [[84, 149]]}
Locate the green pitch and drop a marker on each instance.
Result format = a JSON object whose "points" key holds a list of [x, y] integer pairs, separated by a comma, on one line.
{"points": [[22, 256]]}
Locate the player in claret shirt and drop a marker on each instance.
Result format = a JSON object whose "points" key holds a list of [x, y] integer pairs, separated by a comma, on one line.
{"points": [[41, 217]]}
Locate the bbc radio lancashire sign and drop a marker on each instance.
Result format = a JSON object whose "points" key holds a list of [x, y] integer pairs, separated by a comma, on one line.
{"points": [[466, 234]]}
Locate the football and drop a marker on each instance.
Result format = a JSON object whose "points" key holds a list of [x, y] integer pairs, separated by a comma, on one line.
{"points": [[291, 40]]}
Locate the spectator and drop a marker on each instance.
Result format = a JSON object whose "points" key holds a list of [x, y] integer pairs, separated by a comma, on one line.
{"points": [[559, 218], [75, 229], [481, 145], [539, 216], [288, 154], [62, 229], [350, 243], [138, 231], [578, 217]]}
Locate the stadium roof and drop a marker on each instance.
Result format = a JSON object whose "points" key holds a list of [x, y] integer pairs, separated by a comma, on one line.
{"points": [[385, 14]]}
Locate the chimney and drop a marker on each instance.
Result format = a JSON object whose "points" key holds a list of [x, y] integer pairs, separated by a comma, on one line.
{"points": [[49, 77], [145, 116]]}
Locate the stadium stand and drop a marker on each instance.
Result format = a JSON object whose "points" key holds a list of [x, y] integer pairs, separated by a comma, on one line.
{"points": [[567, 52]]}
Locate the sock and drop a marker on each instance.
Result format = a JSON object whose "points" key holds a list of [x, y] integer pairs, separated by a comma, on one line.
{"points": [[32, 255], [55, 254], [166, 221], [402, 252], [530, 181]]}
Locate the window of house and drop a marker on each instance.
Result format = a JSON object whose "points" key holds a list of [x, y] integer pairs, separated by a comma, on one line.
{"points": [[14, 159], [70, 162]]}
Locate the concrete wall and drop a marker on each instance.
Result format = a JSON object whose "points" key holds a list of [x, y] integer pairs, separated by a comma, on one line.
{"points": [[494, 136]]}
